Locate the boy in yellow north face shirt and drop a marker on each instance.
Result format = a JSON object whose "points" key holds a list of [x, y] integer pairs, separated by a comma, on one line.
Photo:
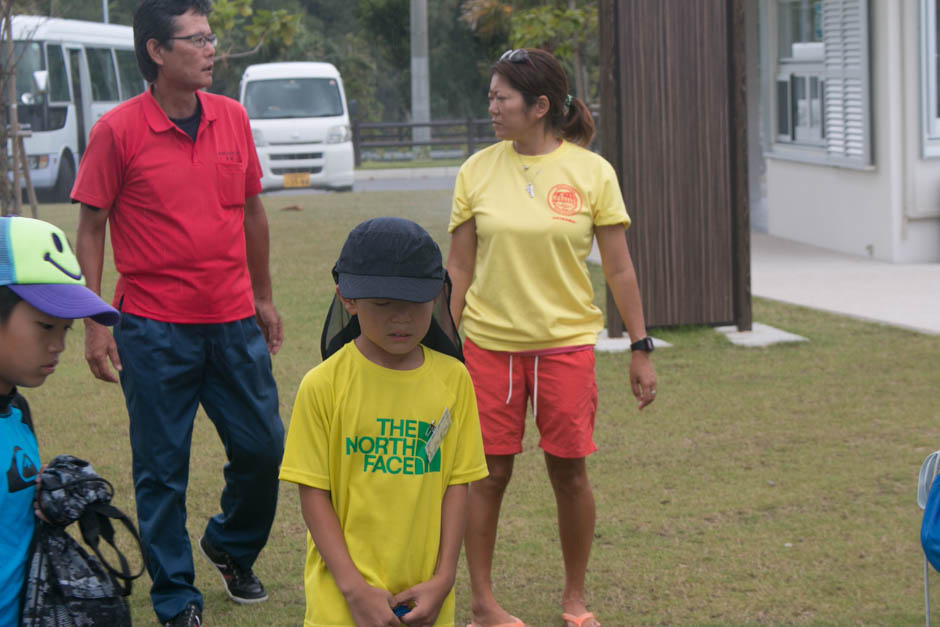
{"points": [[385, 437]]}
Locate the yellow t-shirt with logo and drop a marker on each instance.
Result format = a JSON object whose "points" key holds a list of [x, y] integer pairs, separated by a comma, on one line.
{"points": [[531, 289], [358, 430]]}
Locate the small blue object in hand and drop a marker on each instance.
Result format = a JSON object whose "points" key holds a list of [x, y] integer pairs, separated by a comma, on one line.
{"points": [[401, 610]]}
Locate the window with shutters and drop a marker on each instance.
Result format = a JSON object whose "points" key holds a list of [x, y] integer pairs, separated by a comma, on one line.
{"points": [[800, 72], [820, 98], [930, 77]]}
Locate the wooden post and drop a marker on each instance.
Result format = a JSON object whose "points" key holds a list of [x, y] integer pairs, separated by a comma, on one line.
{"points": [[357, 151], [27, 177], [611, 108], [665, 66], [741, 224], [14, 122]]}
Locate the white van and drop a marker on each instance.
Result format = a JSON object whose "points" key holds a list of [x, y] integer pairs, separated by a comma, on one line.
{"points": [[300, 124], [68, 74]]}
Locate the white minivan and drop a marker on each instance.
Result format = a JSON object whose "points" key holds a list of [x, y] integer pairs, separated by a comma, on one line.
{"points": [[300, 124]]}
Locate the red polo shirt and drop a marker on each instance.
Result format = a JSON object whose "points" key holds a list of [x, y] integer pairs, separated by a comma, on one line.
{"points": [[176, 208]]}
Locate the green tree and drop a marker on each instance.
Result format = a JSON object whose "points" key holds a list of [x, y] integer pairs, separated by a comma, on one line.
{"points": [[119, 11], [458, 86], [326, 30], [385, 26], [367, 40], [248, 28], [249, 31], [490, 19], [566, 28], [458, 58], [330, 31]]}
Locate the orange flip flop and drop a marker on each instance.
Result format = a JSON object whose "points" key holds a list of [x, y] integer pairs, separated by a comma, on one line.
{"points": [[515, 623], [579, 620]]}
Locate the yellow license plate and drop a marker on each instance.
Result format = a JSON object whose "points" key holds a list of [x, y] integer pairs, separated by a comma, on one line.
{"points": [[297, 179]]}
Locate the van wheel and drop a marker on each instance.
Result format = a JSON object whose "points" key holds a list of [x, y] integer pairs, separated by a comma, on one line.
{"points": [[65, 180], [344, 188]]}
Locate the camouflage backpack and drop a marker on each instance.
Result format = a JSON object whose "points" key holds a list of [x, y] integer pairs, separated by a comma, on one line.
{"points": [[65, 586]]}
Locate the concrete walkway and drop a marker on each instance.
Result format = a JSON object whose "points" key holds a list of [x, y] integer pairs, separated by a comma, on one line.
{"points": [[903, 295]]}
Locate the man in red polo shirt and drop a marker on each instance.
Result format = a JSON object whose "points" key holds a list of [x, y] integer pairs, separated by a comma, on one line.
{"points": [[175, 174]]}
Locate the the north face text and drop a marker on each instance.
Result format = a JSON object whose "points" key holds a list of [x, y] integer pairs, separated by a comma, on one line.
{"points": [[397, 450]]}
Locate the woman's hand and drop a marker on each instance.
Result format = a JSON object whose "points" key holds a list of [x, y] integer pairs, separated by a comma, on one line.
{"points": [[642, 378]]}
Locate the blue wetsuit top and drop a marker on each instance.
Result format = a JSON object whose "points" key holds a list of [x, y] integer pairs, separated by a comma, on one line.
{"points": [[17, 521]]}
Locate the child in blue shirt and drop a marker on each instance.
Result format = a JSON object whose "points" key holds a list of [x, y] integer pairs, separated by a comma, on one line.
{"points": [[41, 292]]}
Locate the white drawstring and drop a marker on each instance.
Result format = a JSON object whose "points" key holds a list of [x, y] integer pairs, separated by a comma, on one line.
{"points": [[535, 391], [510, 379]]}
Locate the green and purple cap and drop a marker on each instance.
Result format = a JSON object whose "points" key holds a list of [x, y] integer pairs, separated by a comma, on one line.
{"points": [[38, 265]]}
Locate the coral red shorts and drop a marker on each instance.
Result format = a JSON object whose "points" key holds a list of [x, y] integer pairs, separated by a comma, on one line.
{"points": [[561, 386]]}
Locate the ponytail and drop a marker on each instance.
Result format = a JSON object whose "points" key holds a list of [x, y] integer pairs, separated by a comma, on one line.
{"points": [[578, 124]]}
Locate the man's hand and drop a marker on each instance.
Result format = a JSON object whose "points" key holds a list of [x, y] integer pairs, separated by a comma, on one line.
{"points": [[372, 607], [100, 348], [270, 322], [642, 378], [425, 599]]}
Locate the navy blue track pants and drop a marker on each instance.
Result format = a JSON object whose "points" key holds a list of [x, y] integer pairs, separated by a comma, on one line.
{"points": [[168, 370]]}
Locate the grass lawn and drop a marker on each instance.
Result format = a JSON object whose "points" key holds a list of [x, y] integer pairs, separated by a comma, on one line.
{"points": [[771, 485]]}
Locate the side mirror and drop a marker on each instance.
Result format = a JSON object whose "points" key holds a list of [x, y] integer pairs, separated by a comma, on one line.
{"points": [[353, 109], [41, 80]]}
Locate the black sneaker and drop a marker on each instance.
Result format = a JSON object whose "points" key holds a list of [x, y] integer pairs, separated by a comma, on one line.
{"points": [[241, 584], [191, 616]]}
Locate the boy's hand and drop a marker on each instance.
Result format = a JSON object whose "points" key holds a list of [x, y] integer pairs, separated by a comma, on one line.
{"points": [[100, 347], [36, 508], [372, 607], [426, 599]]}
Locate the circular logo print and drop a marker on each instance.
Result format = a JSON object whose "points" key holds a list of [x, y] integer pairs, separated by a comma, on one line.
{"points": [[564, 199]]}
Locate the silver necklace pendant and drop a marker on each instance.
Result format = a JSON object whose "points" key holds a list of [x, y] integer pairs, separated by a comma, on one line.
{"points": [[529, 188]]}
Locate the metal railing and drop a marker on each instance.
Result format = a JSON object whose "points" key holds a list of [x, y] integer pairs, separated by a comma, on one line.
{"points": [[466, 136]]}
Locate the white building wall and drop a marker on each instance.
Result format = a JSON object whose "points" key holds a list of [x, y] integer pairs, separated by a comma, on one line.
{"points": [[882, 211], [918, 227], [839, 209]]}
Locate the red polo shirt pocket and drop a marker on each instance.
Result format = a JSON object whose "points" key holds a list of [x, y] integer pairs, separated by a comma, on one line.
{"points": [[231, 185]]}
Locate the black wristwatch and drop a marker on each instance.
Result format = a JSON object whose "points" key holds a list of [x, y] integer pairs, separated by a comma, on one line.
{"points": [[646, 344]]}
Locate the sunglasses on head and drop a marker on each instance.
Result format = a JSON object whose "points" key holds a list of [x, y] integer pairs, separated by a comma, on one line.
{"points": [[520, 55]]}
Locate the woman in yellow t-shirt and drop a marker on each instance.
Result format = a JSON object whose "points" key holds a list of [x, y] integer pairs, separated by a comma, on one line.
{"points": [[526, 211]]}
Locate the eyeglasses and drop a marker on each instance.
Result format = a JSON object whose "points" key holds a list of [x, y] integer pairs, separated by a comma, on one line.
{"points": [[199, 40], [519, 55]]}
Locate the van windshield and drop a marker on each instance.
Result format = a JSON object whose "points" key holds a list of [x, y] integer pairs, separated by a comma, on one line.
{"points": [[293, 98]]}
